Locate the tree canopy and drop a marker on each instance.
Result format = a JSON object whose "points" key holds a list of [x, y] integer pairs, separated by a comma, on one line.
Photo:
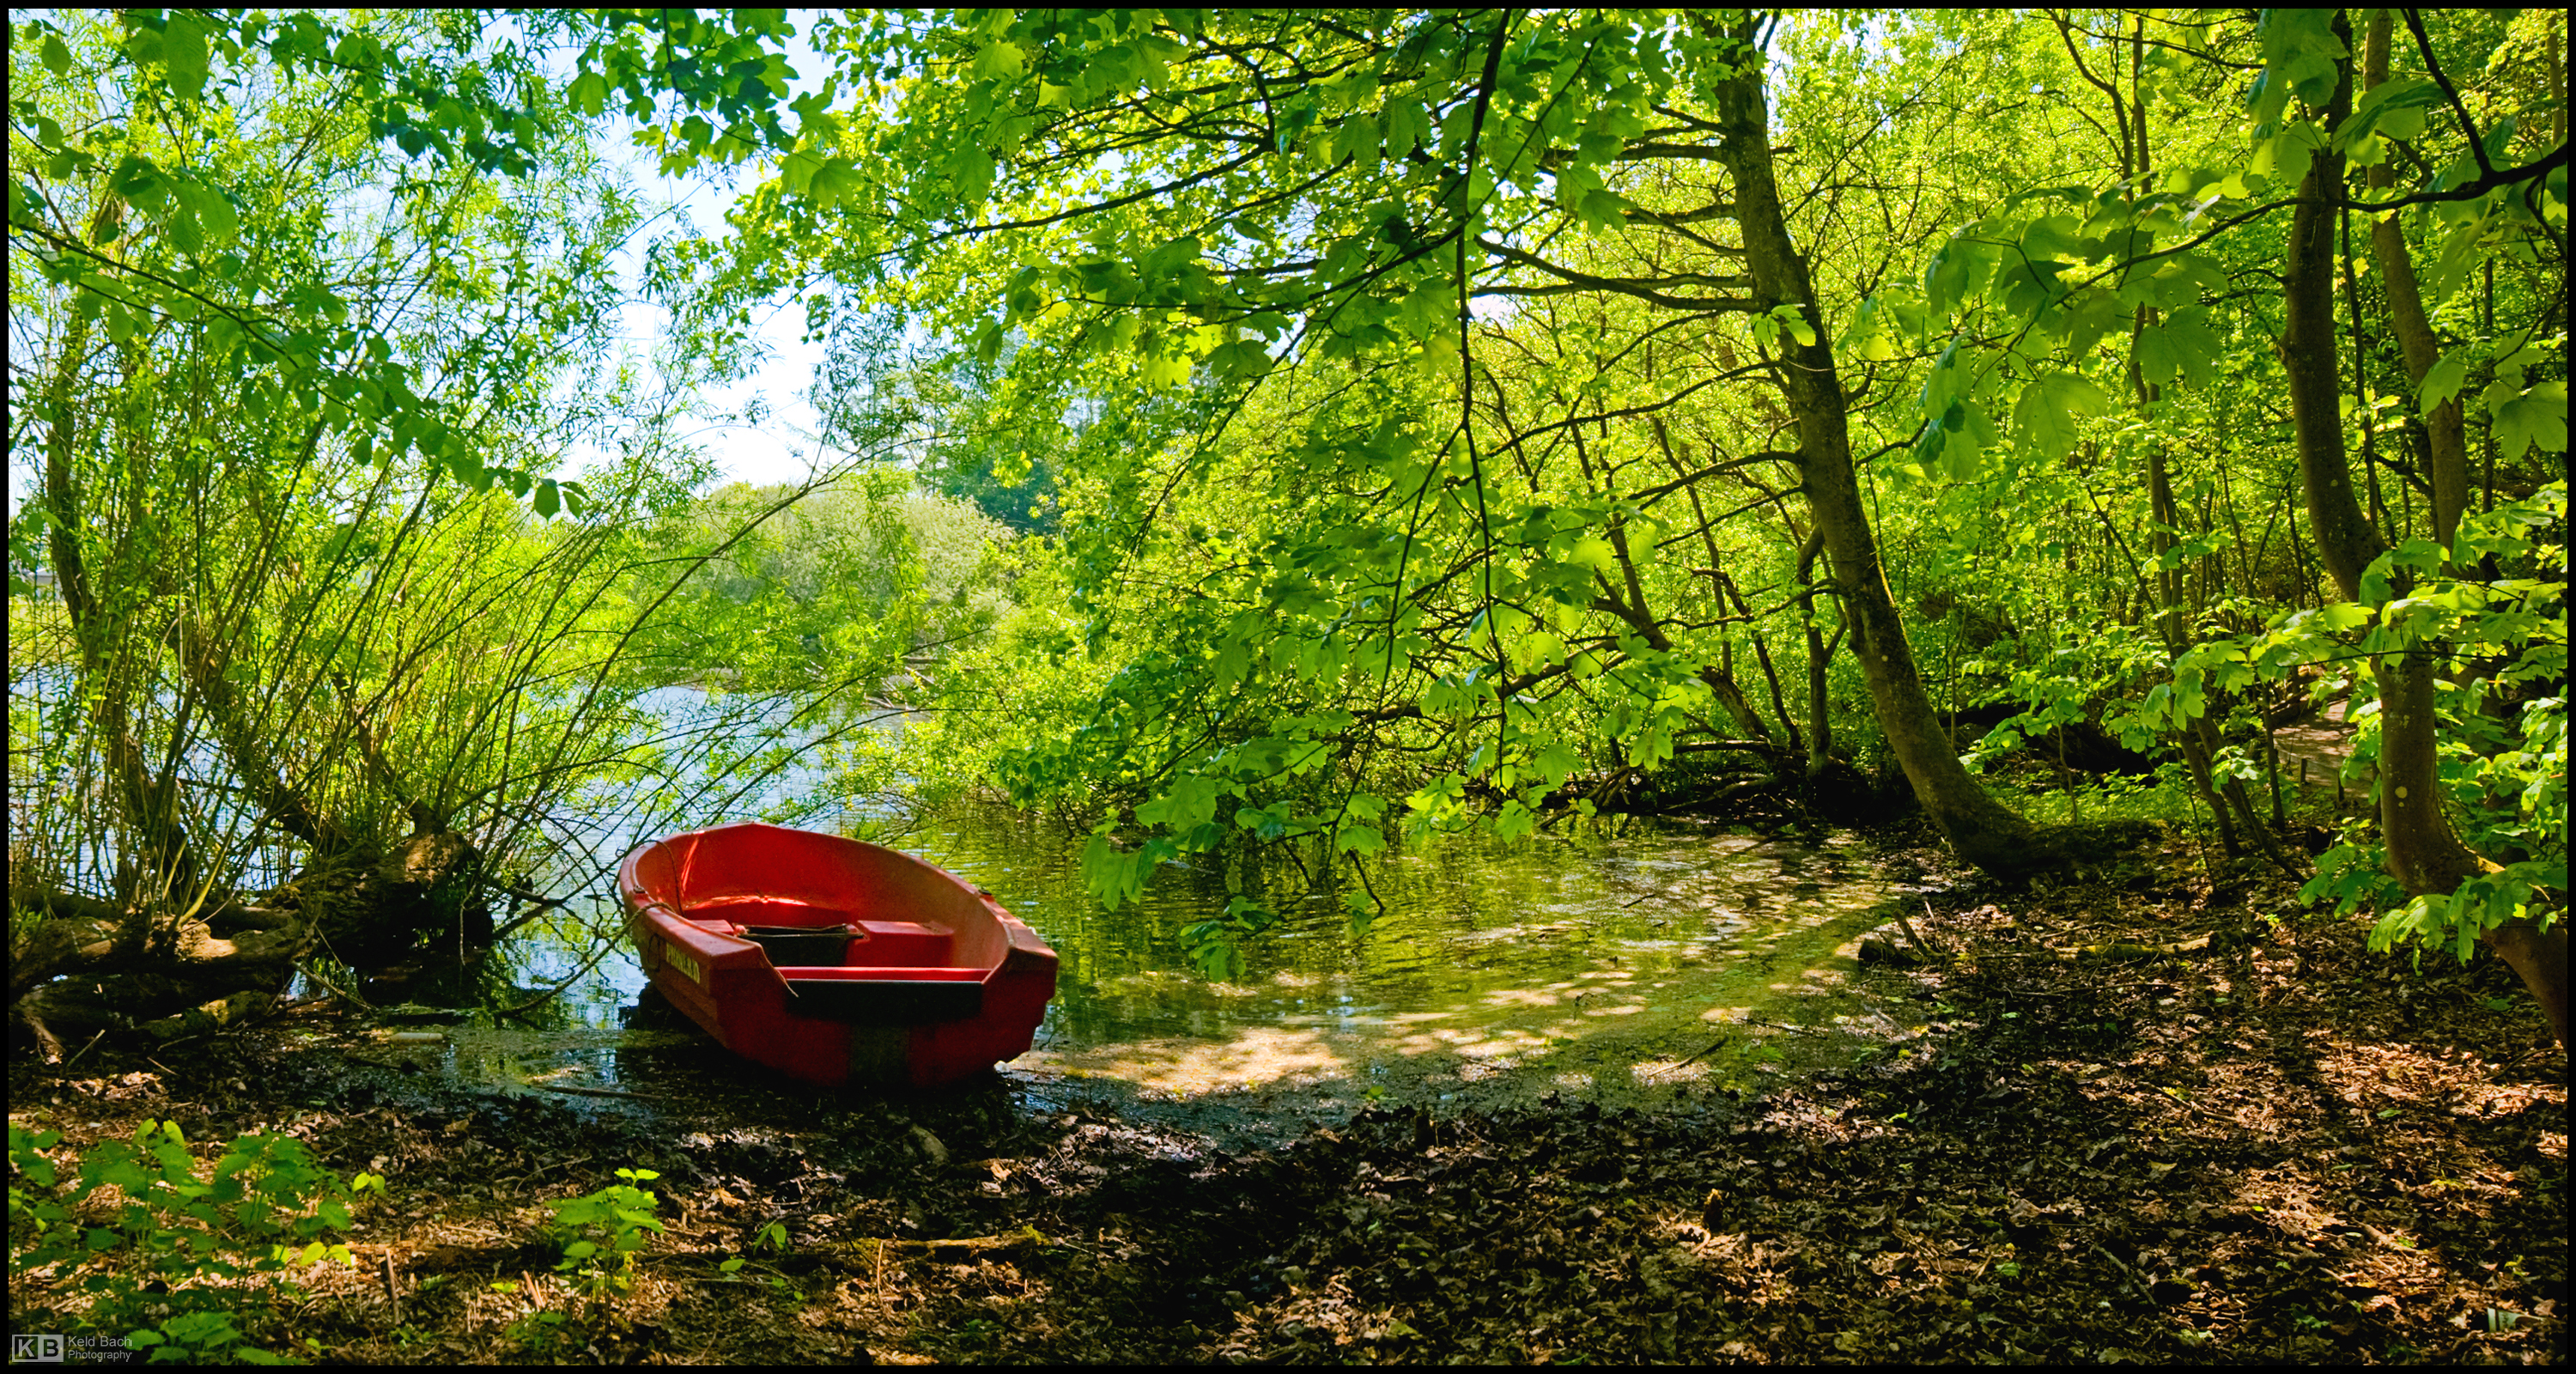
{"points": [[1483, 396]]}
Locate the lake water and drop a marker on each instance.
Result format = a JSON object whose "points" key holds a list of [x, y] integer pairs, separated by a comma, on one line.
{"points": [[1668, 959]]}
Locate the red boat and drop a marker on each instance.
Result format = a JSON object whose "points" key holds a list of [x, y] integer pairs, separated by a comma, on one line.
{"points": [[834, 960]]}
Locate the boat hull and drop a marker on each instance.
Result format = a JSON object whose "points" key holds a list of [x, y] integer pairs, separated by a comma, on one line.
{"points": [[832, 960]]}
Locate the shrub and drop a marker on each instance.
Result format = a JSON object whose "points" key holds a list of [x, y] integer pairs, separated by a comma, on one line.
{"points": [[163, 1254]]}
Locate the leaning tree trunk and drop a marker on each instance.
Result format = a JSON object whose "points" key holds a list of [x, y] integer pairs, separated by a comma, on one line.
{"points": [[2424, 853], [1983, 831], [2447, 472]]}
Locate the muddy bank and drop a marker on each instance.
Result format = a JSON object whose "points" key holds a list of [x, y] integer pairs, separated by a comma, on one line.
{"points": [[2270, 1147]]}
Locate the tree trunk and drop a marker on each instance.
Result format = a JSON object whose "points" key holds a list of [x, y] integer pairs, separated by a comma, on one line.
{"points": [[2346, 540], [80, 969], [2424, 853], [2446, 432], [1820, 653], [1982, 830]]}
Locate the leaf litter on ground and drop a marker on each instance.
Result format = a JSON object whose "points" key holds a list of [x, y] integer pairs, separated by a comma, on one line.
{"points": [[2274, 1146]]}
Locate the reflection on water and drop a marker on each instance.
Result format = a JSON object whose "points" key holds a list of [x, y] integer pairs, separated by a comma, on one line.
{"points": [[1562, 961], [1578, 963]]}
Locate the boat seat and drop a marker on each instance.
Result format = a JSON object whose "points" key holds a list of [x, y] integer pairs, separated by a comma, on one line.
{"points": [[905, 999], [803, 946], [764, 911], [906, 944]]}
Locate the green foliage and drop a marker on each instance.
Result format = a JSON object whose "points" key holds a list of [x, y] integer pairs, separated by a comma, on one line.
{"points": [[601, 1231], [153, 216], [290, 393], [2103, 667], [158, 1250], [2503, 712], [1128, 367], [1216, 946], [772, 1238], [312, 341], [804, 591]]}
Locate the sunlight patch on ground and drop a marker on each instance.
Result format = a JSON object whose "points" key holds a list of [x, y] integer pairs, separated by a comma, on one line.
{"points": [[1254, 1056], [1528, 997]]}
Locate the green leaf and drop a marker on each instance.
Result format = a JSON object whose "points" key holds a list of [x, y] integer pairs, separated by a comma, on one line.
{"points": [[183, 54], [1949, 376], [548, 498], [1928, 447], [1971, 434], [1114, 876], [2193, 346], [2375, 589], [2536, 417], [2158, 360], [1592, 551], [1164, 367], [834, 182], [2047, 412], [56, 57], [208, 215], [796, 174], [2442, 382], [2394, 109], [1192, 801], [2288, 155], [1002, 59], [589, 94], [1242, 358], [1954, 272]]}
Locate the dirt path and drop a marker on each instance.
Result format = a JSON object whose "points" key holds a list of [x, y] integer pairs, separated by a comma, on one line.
{"points": [[2315, 749]]}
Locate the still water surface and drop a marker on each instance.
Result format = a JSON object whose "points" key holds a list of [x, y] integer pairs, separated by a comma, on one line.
{"points": [[1581, 965]]}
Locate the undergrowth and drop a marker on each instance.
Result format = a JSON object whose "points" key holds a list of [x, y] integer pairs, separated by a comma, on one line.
{"points": [[147, 1248]]}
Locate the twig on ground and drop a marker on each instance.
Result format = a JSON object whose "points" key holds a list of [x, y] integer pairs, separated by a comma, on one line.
{"points": [[1921, 946], [1785, 1026], [597, 1092], [1714, 1047], [76, 1054]]}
